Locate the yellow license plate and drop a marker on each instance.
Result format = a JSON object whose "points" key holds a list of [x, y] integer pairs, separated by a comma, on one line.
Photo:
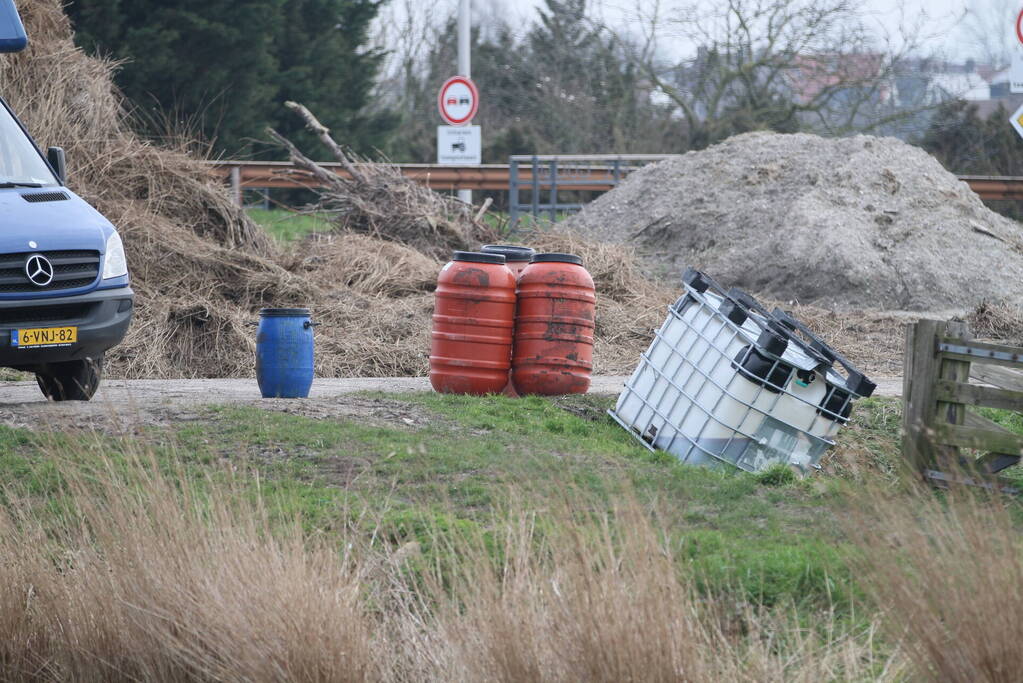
{"points": [[44, 336]]}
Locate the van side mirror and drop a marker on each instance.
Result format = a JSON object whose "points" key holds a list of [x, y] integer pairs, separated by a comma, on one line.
{"points": [[58, 162]]}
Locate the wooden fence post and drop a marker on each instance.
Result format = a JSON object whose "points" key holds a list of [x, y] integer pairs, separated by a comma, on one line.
{"points": [[918, 392]]}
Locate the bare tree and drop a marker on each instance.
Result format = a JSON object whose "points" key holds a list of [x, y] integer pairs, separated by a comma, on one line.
{"points": [[779, 64], [987, 29]]}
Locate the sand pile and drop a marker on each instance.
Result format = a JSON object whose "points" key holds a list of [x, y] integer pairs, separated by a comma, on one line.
{"points": [[853, 223]]}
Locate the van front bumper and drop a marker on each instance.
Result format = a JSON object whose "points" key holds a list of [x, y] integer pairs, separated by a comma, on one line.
{"points": [[101, 316]]}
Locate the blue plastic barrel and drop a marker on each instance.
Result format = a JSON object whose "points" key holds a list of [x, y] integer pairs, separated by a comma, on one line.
{"points": [[284, 352]]}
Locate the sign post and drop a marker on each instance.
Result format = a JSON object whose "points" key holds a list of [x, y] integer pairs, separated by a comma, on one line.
{"points": [[458, 100], [1016, 62], [459, 143]]}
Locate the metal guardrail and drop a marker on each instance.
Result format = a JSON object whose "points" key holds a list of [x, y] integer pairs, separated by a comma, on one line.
{"points": [[569, 175]]}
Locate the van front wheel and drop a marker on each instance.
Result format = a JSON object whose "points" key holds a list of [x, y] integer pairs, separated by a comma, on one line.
{"points": [[75, 380]]}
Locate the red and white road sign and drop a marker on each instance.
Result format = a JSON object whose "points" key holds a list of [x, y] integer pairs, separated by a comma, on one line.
{"points": [[1019, 26], [458, 100]]}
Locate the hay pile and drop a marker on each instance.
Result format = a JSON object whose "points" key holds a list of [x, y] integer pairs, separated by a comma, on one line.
{"points": [[198, 263], [202, 269]]}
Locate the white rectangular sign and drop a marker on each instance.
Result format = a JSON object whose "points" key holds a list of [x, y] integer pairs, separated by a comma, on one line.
{"points": [[1016, 70], [458, 145]]}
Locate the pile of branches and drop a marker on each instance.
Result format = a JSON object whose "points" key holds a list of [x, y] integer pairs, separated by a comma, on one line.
{"points": [[377, 200]]}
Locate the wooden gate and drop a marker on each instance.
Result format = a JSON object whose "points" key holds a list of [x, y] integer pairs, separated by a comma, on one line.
{"points": [[944, 438]]}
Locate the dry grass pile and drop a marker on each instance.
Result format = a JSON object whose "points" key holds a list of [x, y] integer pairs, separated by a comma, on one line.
{"points": [[377, 200], [144, 578], [199, 264], [998, 321], [202, 269]]}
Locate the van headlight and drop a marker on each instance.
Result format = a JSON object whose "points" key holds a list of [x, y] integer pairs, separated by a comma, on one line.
{"points": [[115, 264]]}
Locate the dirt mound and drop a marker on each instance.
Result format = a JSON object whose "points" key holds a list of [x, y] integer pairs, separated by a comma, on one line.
{"points": [[860, 222]]}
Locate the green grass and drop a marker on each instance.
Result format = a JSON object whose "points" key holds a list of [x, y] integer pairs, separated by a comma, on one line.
{"points": [[468, 459], [288, 226]]}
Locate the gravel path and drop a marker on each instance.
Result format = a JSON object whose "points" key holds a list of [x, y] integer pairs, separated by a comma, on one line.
{"points": [[125, 406], [212, 391]]}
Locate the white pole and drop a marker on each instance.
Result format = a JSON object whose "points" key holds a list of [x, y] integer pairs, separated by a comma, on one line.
{"points": [[464, 67]]}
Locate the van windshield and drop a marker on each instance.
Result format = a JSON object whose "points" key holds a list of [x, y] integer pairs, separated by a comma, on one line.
{"points": [[20, 163]]}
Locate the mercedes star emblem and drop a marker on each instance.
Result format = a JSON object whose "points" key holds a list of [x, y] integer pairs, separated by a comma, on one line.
{"points": [[39, 270]]}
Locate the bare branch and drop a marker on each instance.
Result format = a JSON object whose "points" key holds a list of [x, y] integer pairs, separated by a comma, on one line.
{"points": [[322, 132]]}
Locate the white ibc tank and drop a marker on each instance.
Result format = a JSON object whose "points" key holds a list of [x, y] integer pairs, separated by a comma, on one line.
{"points": [[726, 382]]}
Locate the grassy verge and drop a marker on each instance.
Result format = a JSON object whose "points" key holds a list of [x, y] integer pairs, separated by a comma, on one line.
{"points": [[455, 516], [288, 226], [771, 539]]}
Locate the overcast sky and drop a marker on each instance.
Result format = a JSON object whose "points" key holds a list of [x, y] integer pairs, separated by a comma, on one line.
{"points": [[947, 30]]}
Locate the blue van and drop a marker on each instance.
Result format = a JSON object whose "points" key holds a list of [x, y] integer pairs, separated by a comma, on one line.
{"points": [[64, 290]]}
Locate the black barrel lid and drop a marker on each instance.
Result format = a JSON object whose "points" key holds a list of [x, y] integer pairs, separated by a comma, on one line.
{"points": [[477, 257], [555, 257], [512, 252], [282, 312]]}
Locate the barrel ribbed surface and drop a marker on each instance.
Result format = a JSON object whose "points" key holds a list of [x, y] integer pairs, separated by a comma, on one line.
{"points": [[474, 313], [553, 351], [284, 353]]}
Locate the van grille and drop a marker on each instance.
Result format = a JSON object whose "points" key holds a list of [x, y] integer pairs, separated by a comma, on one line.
{"points": [[63, 313], [71, 269], [36, 197]]}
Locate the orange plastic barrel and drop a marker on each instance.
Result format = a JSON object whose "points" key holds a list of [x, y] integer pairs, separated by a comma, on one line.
{"points": [[474, 312], [515, 257], [553, 352]]}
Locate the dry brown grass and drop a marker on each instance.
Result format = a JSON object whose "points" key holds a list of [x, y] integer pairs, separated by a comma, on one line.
{"points": [[1001, 321], [148, 581], [949, 575], [606, 601], [146, 577]]}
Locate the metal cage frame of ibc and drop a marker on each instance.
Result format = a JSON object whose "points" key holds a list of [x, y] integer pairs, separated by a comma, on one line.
{"points": [[692, 357]]}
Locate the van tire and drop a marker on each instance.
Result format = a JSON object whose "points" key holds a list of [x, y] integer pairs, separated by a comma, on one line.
{"points": [[75, 380]]}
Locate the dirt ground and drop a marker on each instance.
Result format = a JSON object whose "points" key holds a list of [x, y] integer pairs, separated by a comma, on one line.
{"points": [[127, 405]]}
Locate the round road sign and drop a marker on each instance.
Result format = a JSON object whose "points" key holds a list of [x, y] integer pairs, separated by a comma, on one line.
{"points": [[458, 100], [1019, 26]]}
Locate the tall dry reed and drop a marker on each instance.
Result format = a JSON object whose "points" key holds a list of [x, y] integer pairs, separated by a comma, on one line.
{"points": [[134, 574], [948, 573]]}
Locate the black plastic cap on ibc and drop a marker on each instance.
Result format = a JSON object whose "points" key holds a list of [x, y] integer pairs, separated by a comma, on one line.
{"points": [[772, 343], [733, 311], [743, 298], [696, 280], [282, 312], [511, 252], [823, 349], [860, 385], [477, 257], [779, 328], [554, 257]]}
